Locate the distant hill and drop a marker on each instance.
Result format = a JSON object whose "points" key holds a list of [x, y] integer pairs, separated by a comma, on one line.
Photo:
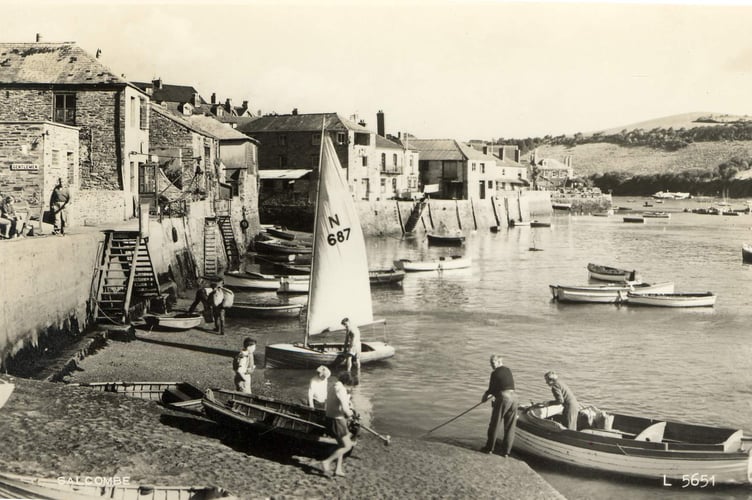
{"points": [[685, 120], [588, 159]]}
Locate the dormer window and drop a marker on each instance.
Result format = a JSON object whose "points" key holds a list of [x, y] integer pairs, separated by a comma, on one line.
{"points": [[65, 108]]}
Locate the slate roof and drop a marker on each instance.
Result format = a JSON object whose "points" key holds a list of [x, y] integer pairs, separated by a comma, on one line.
{"points": [[384, 143], [182, 120], [170, 93], [473, 154], [298, 123], [218, 129], [53, 63], [437, 149]]}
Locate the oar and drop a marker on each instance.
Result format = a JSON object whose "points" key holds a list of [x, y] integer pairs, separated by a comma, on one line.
{"points": [[386, 438], [453, 419]]}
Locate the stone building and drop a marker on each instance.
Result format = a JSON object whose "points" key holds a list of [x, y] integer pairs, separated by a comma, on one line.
{"points": [[549, 174], [61, 83]]}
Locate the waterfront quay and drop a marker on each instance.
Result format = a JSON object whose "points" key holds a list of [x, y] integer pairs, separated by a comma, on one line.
{"points": [[57, 430]]}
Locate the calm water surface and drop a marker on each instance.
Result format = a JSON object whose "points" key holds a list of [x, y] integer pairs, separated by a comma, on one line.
{"points": [[693, 365]]}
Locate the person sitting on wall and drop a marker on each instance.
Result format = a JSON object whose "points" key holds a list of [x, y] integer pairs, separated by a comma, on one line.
{"points": [[9, 220]]}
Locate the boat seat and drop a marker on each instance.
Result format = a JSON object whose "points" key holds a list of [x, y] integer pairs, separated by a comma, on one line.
{"points": [[652, 433], [603, 432]]}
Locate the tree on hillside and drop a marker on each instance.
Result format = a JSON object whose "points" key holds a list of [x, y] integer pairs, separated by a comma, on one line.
{"points": [[728, 170]]}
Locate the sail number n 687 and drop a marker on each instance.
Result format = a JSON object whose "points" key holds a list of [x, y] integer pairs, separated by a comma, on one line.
{"points": [[338, 237]]}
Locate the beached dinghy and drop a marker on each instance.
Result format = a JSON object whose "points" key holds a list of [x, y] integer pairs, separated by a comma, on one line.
{"points": [[702, 299], [606, 294], [266, 310], [17, 486], [177, 395], [180, 321], [605, 273], [440, 264], [339, 284], [636, 446], [262, 416]]}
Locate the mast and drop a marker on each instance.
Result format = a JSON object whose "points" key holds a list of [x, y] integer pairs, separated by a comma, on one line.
{"points": [[315, 218]]}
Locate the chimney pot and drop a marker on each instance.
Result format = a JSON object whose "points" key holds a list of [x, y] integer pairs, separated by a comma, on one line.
{"points": [[39, 37], [214, 98], [196, 99], [380, 128], [295, 111], [157, 83], [245, 104], [228, 104]]}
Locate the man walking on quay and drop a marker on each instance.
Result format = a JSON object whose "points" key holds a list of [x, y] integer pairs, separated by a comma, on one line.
{"points": [[243, 366], [58, 201], [501, 388]]}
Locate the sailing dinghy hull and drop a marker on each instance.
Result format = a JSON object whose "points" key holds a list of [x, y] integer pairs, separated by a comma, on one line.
{"points": [[327, 354]]}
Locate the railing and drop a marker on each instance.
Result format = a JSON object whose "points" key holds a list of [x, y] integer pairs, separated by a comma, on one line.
{"points": [[390, 169]]}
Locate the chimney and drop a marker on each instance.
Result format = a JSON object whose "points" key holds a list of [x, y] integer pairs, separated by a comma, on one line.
{"points": [[362, 123], [99, 53], [517, 155], [228, 104], [295, 111], [485, 150], [39, 37], [157, 83], [214, 98], [502, 152], [380, 129], [196, 99], [245, 104]]}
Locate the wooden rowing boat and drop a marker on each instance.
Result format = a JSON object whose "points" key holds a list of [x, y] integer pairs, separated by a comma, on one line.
{"points": [[440, 239], [747, 253], [236, 280], [177, 395], [703, 299], [634, 219], [180, 321], [539, 223], [283, 233], [606, 273], [266, 310], [275, 246], [440, 264], [656, 215], [612, 293], [636, 446], [293, 284], [298, 355], [260, 416], [70, 488], [386, 276]]}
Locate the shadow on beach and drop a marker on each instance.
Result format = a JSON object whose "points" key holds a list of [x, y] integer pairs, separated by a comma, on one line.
{"points": [[190, 347]]}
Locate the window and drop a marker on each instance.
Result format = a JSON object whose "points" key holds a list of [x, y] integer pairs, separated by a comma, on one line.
{"points": [[282, 161], [394, 183], [341, 138], [383, 160], [71, 166], [473, 167], [65, 108], [314, 161], [365, 161], [394, 160], [55, 158], [482, 168], [144, 123], [283, 140], [490, 184], [383, 185], [503, 171], [133, 111], [411, 160], [315, 139]]}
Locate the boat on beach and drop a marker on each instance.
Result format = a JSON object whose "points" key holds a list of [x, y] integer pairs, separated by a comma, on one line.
{"points": [[293, 284], [265, 310], [606, 273], [440, 264], [606, 294], [636, 446], [261, 416], [339, 282], [237, 280], [747, 253], [18, 486], [389, 276], [701, 299], [177, 395], [6, 389], [179, 321]]}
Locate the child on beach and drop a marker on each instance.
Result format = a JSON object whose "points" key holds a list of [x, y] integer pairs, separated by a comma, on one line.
{"points": [[243, 366]]}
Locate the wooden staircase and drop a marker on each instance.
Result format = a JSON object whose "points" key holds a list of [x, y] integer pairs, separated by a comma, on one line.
{"points": [[231, 245], [415, 215], [126, 273], [211, 261]]}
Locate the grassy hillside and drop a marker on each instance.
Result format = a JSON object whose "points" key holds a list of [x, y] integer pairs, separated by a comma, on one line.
{"points": [[684, 120], [589, 159]]}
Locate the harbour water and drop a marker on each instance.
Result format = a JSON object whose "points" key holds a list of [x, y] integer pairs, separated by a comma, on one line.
{"points": [[693, 365]]}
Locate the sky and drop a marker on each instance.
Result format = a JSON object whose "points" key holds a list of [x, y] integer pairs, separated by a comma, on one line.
{"points": [[438, 69]]}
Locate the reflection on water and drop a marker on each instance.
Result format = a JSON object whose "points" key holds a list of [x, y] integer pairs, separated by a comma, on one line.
{"points": [[687, 364]]}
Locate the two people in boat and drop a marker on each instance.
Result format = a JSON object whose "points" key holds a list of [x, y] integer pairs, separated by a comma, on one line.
{"points": [[341, 416], [504, 413], [243, 365], [564, 396]]}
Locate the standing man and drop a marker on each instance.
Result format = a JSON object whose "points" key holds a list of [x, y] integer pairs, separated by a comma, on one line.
{"points": [[501, 388], [216, 301], [352, 345], [58, 201], [243, 365], [339, 411], [202, 297], [566, 397]]}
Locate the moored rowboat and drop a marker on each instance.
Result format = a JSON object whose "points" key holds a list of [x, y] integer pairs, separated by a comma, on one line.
{"points": [[180, 321], [440, 264], [703, 299], [445, 239], [634, 219], [636, 446], [248, 309], [250, 281], [606, 294], [747, 253], [386, 276], [605, 273]]}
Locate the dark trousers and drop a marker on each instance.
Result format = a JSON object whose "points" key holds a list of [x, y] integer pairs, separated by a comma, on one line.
{"points": [[503, 418]]}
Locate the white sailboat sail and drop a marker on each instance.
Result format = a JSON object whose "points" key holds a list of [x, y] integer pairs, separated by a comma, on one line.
{"points": [[339, 285]]}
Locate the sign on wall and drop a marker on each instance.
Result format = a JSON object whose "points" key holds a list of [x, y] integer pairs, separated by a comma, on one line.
{"points": [[24, 166]]}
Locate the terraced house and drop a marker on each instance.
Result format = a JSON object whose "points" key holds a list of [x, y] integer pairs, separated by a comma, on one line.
{"points": [[65, 88]]}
